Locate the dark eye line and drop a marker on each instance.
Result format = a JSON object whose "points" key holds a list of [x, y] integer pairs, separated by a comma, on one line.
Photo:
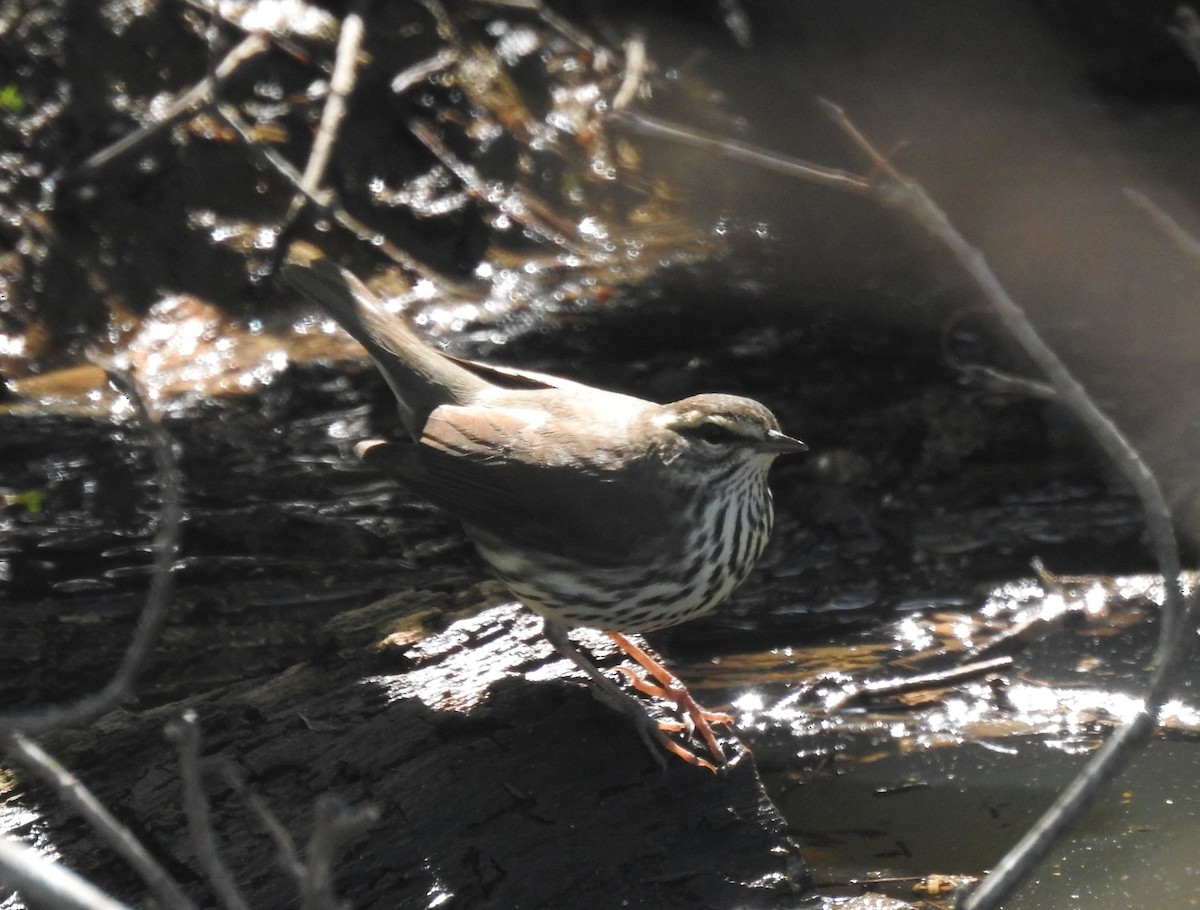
{"points": [[713, 432]]}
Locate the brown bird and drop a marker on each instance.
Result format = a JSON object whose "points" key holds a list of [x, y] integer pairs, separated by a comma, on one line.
{"points": [[593, 508]]}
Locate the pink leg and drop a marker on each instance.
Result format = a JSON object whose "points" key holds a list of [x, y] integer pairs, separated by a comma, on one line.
{"points": [[674, 690]]}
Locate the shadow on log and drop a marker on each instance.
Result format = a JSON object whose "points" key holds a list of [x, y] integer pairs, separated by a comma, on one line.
{"points": [[498, 783]]}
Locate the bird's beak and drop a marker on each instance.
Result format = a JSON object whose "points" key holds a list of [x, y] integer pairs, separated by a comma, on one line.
{"points": [[778, 443]]}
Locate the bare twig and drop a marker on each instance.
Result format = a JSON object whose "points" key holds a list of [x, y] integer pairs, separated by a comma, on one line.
{"points": [[446, 28], [563, 26], [289, 856], [1166, 223], [228, 113], [335, 826], [45, 883], [72, 792], [937, 679], [202, 93], [635, 73], [993, 379], [341, 84], [158, 599], [442, 60], [1177, 620], [521, 207], [1078, 795], [988, 377], [998, 381], [1187, 32], [185, 733], [738, 22], [324, 202], [905, 193], [645, 125]]}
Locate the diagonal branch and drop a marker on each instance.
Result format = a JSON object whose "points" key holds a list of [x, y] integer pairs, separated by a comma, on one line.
{"points": [[341, 85], [325, 202], [1168, 225], [908, 195], [45, 883], [184, 732], [158, 600], [645, 125], [72, 791], [336, 825], [202, 93], [1178, 615]]}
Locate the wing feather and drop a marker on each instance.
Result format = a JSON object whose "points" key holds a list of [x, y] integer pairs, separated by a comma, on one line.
{"points": [[476, 464]]}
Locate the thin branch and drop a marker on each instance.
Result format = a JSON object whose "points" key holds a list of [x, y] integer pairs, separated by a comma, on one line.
{"points": [[324, 202], [1165, 222], [202, 93], [72, 792], [878, 160], [635, 72], [645, 125], [908, 195], [341, 85], [1187, 32], [185, 734], [515, 204], [1176, 637], [738, 22], [446, 28], [1079, 794], [45, 883], [158, 599], [937, 679], [995, 380], [563, 26], [736, 150], [285, 846], [336, 825], [988, 377], [442, 60], [1177, 620]]}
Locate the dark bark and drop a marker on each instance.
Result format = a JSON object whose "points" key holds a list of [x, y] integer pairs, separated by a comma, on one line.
{"points": [[493, 785]]}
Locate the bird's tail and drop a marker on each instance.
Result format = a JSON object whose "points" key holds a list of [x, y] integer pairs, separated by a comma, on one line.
{"points": [[421, 377]]}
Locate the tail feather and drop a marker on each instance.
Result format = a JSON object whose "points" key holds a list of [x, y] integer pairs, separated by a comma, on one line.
{"points": [[421, 377]]}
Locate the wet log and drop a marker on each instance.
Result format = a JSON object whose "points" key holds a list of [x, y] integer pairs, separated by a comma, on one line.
{"points": [[499, 780]]}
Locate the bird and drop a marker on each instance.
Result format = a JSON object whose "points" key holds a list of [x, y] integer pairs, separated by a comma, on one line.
{"points": [[593, 508]]}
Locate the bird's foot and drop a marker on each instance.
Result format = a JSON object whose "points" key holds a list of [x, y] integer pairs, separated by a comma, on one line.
{"points": [[695, 717], [689, 706], [652, 732]]}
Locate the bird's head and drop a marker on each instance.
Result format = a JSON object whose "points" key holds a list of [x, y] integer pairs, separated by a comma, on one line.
{"points": [[721, 428]]}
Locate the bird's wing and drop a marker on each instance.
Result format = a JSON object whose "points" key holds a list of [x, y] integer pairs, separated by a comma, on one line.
{"points": [[475, 468], [515, 378]]}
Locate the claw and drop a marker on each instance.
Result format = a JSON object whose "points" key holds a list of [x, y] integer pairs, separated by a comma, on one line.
{"points": [[673, 690], [653, 733]]}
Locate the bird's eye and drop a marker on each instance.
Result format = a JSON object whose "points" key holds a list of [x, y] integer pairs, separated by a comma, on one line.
{"points": [[713, 432]]}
